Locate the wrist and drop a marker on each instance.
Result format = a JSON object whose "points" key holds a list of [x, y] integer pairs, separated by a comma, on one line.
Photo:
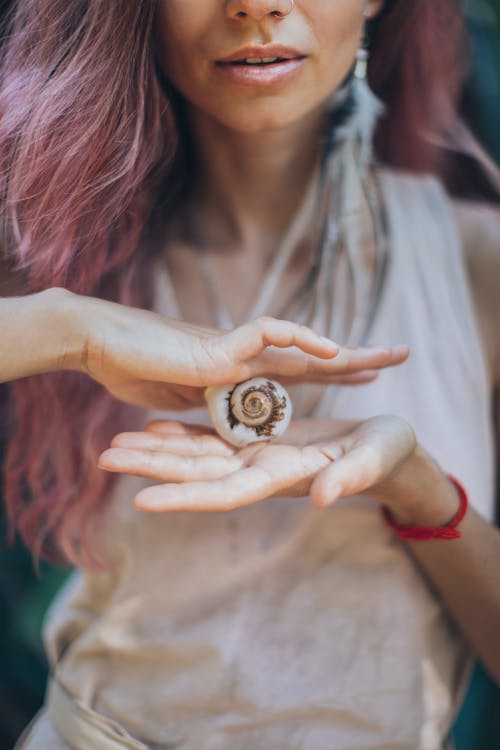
{"points": [[61, 316], [419, 493], [38, 334]]}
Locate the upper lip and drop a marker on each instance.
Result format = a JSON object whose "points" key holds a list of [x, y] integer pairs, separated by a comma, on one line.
{"points": [[269, 50]]}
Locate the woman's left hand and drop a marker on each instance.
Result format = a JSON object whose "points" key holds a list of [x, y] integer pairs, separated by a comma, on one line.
{"points": [[325, 459]]}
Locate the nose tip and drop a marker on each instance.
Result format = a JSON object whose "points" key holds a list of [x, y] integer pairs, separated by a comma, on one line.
{"points": [[258, 9]]}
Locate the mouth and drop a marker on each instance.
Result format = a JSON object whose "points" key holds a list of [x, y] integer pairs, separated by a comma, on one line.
{"points": [[261, 61], [254, 59], [263, 54], [265, 65]]}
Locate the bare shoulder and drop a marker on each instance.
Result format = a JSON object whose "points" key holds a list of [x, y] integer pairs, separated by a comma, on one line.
{"points": [[479, 228]]}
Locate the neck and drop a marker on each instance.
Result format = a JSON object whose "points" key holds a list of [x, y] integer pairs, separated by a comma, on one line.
{"points": [[249, 185]]}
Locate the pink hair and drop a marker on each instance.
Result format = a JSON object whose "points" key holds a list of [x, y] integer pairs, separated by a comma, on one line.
{"points": [[87, 143]]}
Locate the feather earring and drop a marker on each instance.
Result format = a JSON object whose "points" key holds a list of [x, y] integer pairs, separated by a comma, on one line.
{"points": [[357, 132], [354, 258], [367, 107], [345, 278], [361, 243]]}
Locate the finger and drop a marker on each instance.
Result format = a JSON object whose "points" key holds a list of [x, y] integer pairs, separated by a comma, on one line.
{"points": [[170, 427], [353, 472], [363, 358], [242, 488], [276, 473], [347, 362], [166, 467], [357, 378], [251, 339], [188, 445]]}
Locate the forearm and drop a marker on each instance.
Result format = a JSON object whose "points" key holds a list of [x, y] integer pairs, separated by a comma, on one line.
{"points": [[464, 572], [38, 334]]}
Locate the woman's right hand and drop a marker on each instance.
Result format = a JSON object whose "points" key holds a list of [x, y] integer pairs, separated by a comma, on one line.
{"points": [[148, 360]]}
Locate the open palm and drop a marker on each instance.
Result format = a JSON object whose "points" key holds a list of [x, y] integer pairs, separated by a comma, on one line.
{"points": [[198, 471]]}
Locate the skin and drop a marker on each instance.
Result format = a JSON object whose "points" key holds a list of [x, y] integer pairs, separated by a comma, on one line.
{"points": [[201, 33], [253, 146], [147, 360], [255, 152]]}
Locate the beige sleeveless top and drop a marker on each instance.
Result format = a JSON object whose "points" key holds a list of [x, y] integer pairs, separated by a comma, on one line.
{"points": [[284, 627]]}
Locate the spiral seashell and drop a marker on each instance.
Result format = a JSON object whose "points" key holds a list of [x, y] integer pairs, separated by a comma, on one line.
{"points": [[249, 412]]}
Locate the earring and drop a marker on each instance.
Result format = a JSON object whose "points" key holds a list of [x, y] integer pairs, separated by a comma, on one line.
{"points": [[362, 55], [361, 67], [356, 203], [367, 107]]}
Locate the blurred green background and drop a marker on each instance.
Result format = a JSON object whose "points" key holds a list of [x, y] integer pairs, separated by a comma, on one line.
{"points": [[481, 104], [26, 594]]}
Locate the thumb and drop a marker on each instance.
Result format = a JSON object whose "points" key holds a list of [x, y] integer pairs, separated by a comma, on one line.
{"points": [[351, 474]]}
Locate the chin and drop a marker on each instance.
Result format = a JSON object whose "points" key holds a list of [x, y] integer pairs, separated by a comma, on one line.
{"points": [[254, 121]]}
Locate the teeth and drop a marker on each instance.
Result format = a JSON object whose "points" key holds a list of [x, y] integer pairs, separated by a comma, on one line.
{"points": [[260, 60]]}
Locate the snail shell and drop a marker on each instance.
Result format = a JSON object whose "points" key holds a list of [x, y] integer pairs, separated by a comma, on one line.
{"points": [[255, 410]]}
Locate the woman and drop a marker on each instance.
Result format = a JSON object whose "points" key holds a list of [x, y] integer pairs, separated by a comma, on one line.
{"points": [[223, 149]]}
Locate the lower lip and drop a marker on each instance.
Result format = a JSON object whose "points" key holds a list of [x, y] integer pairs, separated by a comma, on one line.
{"points": [[261, 75]]}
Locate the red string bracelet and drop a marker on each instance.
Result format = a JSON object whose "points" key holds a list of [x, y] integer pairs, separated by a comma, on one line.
{"points": [[421, 533]]}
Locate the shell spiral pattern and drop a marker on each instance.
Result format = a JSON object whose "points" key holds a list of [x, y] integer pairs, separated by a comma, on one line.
{"points": [[255, 410]]}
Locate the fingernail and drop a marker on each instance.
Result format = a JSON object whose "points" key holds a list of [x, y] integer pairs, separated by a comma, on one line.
{"points": [[146, 501], [329, 342], [400, 349], [147, 505], [334, 494]]}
